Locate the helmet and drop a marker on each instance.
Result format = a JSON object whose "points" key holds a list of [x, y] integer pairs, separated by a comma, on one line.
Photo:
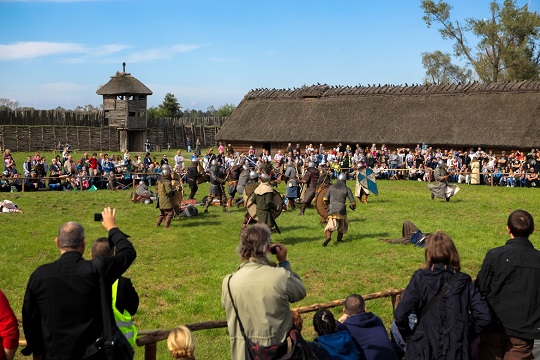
{"points": [[245, 167], [264, 177], [214, 162], [253, 175], [441, 164], [141, 182], [311, 164], [166, 170], [342, 177], [290, 163]]}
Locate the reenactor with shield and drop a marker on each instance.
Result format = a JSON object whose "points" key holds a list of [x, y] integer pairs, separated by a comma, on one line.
{"points": [[336, 198]]}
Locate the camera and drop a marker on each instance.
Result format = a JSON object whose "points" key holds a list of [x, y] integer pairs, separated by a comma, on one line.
{"points": [[273, 249], [98, 217]]}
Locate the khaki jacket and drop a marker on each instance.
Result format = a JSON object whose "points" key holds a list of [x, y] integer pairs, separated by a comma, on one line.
{"points": [[262, 293]]}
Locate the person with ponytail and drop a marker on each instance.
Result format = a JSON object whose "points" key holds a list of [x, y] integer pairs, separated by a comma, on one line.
{"points": [[181, 343]]}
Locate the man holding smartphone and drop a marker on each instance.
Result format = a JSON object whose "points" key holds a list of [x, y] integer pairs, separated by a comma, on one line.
{"points": [[62, 315]]}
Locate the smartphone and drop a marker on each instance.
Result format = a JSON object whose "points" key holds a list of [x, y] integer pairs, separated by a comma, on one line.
{"points": [[98, 217], [273, 249]]}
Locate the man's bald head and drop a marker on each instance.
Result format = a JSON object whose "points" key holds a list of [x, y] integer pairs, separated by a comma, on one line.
{"points": [[70, 236]]}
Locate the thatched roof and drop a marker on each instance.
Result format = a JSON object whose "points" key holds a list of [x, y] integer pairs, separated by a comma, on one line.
{"points": [[497, 114], [124, 84]]}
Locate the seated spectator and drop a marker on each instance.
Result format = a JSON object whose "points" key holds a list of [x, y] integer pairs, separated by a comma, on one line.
{"points": [[331, 343], [33, 182], [367, 330], [181, 343], [531, 179]]}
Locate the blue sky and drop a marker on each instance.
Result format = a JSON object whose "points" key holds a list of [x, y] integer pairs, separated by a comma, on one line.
{"points": [[58, 53]]}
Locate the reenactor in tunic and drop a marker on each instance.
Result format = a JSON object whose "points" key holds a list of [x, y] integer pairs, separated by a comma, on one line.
{"points": [[310, 180], [262, 197], [192, 175], [216, 186], [165, 193], [336, 198]]}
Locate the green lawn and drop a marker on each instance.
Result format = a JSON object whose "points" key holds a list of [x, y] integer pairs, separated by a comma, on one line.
{"points": [[178, 272]]}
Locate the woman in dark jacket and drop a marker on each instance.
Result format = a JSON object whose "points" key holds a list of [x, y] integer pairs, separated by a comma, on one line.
{"points": [[442, 332]]}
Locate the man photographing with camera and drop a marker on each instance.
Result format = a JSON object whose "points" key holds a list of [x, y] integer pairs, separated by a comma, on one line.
{"points": [[262, 292], [62, 315]]}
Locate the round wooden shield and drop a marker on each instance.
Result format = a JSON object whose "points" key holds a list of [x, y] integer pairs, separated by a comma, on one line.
{"points": [[179, 194], [185, 203], [320, 205], [276, 198]]}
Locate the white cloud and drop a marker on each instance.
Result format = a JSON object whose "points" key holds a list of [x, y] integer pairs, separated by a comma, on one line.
{"points": [[35, 49], [161, 53]]}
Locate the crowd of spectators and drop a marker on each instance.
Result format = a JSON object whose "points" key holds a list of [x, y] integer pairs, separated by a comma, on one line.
{"points": [[101, 171]]}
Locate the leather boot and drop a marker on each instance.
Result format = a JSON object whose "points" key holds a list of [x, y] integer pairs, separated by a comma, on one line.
{"points": [[229, 202], [339, 237], [328, 234], [365, 198], [292, 205], [302, 209]]}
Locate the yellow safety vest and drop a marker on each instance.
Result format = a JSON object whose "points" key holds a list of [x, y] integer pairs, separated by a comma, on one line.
{"points": [[123, 320]]}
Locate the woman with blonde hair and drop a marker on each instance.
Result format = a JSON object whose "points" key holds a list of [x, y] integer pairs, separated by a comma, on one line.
{"points": [[181, 343], [446, 304]]}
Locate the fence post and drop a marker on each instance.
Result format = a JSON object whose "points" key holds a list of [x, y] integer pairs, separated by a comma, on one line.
{"points": [[150, 351]]}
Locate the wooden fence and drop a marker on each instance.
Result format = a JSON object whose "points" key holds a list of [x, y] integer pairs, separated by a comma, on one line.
{"points": [[32, 130], [150, 338]]}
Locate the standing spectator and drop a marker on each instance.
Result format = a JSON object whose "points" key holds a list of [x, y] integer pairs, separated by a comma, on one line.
{"points": [[262, 292], [367, 329], [179, 159], [508, 280], [147, 146], [9, 330], [188, 144], [198, 147], [442, 329], [125, 298], [62, 314]]}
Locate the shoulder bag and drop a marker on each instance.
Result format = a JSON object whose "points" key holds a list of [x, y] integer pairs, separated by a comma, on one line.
{"points": [[293, 348]]}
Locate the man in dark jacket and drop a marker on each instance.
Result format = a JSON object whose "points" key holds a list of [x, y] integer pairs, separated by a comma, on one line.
{"points": [[126, 302], [508, 280], [367, 330], [62, 315]]}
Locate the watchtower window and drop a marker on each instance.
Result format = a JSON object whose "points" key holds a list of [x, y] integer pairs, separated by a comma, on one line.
{"points": [[132, 113], [120, 97], [142, 97], [130, 97]]}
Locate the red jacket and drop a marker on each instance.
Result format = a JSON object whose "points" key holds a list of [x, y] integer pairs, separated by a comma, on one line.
{"points": [[9, 328]]}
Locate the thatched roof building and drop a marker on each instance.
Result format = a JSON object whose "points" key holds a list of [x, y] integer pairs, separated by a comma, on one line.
{"points": [[497, 115]]}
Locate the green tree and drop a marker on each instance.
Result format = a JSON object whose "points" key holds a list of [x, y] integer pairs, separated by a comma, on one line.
{"points": [[225, 110], [170, 107], [10, 104], [440, 70], [508, 47]]}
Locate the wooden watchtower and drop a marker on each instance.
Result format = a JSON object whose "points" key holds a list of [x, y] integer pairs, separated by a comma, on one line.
{"points": [[125, 108]]}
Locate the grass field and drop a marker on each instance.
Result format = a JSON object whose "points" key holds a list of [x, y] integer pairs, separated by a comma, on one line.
{"points": [[178, 272]]}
